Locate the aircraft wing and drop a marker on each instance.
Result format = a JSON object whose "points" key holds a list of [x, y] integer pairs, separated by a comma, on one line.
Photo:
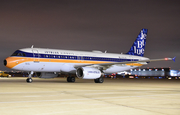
{"points": [[125, 62]]}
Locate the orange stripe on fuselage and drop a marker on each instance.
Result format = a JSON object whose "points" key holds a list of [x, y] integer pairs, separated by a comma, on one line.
{"points": [[13, 61]]}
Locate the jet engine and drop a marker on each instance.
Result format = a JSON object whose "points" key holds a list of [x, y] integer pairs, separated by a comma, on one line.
{"points": [[88, 73], [46, 74]]}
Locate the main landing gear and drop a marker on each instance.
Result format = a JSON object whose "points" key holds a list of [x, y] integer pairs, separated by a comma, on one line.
{"points": [[99, 80], [71, 79], [29, 79]]}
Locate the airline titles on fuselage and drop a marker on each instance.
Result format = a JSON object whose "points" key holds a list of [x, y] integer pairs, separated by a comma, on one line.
{"points": [[55, 52]]}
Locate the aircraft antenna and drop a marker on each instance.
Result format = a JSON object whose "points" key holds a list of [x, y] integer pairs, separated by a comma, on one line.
{"points": [[32, 46]]}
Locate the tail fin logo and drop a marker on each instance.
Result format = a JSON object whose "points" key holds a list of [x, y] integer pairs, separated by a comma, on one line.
{"points": [[143, 35], [138, 47]]}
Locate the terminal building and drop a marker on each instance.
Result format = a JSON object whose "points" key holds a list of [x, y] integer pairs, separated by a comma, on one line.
{"points": [[163, 72], [155, 72]]}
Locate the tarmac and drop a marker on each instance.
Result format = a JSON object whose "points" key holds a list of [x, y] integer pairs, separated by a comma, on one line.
{"points": [[84, 97]]}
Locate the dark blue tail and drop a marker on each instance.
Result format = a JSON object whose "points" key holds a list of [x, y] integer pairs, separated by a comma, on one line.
{"points": [[138, 46]]}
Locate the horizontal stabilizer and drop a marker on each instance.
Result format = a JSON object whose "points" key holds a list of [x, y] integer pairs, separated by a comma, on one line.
{"points": [[174, 59]]}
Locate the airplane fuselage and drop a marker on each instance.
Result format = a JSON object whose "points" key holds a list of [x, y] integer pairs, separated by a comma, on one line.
{"points": [[54, 60]]}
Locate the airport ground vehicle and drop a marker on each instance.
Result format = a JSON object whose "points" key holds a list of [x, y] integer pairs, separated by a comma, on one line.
{"points": [[4, 74]]}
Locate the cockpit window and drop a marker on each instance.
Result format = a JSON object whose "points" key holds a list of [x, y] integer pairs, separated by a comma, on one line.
{"points": [[24, 54], [18, 53], [15, 53]]}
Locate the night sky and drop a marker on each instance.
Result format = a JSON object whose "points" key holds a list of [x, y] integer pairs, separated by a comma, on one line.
{"points": [[87, 25]]}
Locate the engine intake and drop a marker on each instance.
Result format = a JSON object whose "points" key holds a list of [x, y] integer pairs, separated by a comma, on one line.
{"points": [[88, 73]]}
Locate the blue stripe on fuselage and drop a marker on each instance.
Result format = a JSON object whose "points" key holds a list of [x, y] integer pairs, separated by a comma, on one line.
{"points": [[69, 57]]}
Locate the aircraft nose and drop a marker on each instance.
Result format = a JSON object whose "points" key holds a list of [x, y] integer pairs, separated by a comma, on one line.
{"points": [[5, 62]]}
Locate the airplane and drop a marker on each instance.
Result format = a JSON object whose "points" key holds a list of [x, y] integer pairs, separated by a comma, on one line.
{"points": [[47, 63]]}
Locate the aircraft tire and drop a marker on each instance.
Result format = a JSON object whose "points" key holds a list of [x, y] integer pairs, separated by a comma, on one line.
{"points": [[68, 79], [71, 79], [29, 80], [95, 80], [99, 80]]}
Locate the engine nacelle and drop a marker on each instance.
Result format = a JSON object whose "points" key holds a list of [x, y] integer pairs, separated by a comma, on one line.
{"points": [[88, 73], [46, 74]]}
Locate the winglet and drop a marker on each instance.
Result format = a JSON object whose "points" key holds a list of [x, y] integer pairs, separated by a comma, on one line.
{"points": [[170, 59], [174, 59]]}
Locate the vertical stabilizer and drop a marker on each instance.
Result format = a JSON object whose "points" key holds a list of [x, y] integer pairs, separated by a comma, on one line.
{"points": [[138, 46]]}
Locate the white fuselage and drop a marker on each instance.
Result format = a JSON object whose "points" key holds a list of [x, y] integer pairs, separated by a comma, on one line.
{"points": [[54, 60]]}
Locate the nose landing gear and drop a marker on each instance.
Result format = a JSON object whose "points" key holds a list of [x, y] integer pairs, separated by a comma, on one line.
{"points": [[30, 80]]}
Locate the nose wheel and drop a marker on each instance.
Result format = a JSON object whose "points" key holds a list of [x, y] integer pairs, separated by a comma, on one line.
{"points": [[29, 80]]}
